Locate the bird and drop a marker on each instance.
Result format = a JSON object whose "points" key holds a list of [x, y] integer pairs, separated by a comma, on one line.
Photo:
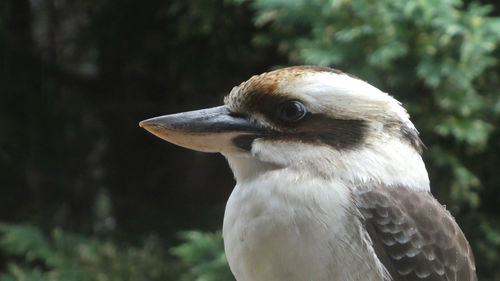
{"points": [[330, 182]]}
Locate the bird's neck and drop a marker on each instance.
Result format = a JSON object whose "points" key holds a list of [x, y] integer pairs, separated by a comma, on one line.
{"points": [[390, 163], [246, 167], [282, 223]]}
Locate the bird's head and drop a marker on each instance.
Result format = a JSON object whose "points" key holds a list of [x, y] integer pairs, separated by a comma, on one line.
{"points": [[314, 120]]}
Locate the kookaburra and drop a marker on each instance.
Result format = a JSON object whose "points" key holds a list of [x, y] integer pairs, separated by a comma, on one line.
{"points": [[330, 184]]}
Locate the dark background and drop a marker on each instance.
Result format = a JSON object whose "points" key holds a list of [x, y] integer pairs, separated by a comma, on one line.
{"points": [[76, 83], [77, 76]]}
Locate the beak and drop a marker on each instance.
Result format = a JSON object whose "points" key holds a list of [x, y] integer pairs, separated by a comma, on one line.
{"points": [[209, 130]]}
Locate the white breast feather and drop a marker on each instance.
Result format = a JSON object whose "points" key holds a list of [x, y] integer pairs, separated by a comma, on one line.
{"points": [[283, 225]]}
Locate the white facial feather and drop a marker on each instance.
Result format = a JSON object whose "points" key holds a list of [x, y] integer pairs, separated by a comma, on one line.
{"points": [[391, 163], [344, 97], [382, 157]]}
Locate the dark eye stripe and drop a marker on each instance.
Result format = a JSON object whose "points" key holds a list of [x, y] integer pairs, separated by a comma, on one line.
{"points": [[315, 129], [311, 128], [321, 129]]}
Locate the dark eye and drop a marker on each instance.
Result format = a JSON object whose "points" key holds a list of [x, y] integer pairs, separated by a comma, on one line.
{"points": [[292, 111]]}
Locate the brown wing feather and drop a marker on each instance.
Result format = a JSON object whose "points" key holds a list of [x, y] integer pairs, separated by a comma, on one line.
{"points": [[414, 236]]}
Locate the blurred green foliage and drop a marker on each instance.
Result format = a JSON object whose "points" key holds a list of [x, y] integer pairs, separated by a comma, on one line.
{"points": [[63, 256], [91, 187], [203, 258]]}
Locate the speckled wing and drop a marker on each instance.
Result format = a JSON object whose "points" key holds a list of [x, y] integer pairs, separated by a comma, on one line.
{"points": [[414, 236]]}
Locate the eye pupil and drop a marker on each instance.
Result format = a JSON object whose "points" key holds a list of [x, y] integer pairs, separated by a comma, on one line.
{"points": [[292, 111]]}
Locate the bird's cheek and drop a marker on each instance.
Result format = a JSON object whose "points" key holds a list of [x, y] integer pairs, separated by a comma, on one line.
{"points": [[271, 151]]}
